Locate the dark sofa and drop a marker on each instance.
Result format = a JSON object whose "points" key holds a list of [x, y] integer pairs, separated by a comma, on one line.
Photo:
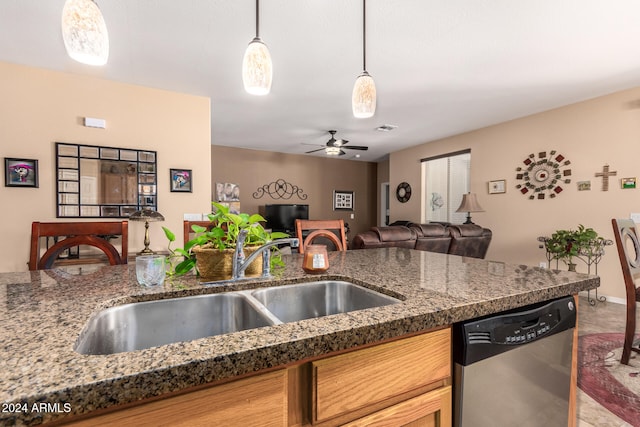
{"points": [[457, 239]]}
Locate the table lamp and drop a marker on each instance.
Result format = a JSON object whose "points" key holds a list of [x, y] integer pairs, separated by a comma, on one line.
{"points": [[469, 204], [146, 215]]}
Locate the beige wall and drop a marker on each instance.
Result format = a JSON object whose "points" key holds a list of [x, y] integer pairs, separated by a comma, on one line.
{"points": [[590, 134], [318, 177], [40, 107]]}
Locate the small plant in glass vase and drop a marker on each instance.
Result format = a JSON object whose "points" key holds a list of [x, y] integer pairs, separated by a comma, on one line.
{"points": [[212, 248]]}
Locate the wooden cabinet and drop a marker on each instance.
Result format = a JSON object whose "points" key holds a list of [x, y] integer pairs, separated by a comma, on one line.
{"points": [[255, 401], [401, 382], [119, 189], [347, 383], [431, 409]]}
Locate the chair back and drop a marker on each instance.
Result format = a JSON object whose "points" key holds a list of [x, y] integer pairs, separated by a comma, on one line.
{"points": [[628, 252], [628, 246], [77, 234], [332, 230], [188, 230]]}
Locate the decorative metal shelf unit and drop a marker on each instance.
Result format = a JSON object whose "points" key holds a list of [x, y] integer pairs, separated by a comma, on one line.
{"points": [[591, 256]]}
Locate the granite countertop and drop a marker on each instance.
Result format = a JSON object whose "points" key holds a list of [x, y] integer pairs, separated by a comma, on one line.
{"points": [[43, 312]]}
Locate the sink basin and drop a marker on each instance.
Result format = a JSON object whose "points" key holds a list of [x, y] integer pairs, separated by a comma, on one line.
{"points": [[154, 323], [315, 299], [148, 324]]}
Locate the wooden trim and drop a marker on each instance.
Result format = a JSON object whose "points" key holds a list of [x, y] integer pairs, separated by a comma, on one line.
{"points": [[442, 156], [573, 391]]}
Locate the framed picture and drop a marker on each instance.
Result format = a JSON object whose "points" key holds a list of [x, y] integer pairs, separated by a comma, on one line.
{"points": [[498, 186], [343, 200], [584, 185], [181, 180], [20, 172], [227, 192], [628, 183]]}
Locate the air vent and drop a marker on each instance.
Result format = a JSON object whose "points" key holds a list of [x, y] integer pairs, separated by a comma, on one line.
{"points": [[479, 337], [386, 128]]}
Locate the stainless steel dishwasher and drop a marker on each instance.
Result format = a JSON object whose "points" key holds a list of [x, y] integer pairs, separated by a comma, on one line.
{"points": [[514, 368]]}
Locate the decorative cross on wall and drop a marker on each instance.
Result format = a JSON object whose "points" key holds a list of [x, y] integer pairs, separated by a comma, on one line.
{"points": [[605, 174]]}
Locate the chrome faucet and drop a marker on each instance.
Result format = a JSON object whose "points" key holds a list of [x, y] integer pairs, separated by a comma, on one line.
{"points": [[240, 263]]}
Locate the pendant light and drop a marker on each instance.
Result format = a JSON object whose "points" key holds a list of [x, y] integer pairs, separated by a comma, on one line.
{"points": [[363, 99], [84, 32], [256, 65]]}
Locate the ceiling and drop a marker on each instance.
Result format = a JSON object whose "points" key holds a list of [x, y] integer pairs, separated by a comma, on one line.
{"points": [[441, 67]]}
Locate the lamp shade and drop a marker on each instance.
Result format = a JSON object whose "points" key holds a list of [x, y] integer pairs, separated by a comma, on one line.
{"points": [[363, 99], [257, 70], [84, 32], [146, 214], [470, 204]]}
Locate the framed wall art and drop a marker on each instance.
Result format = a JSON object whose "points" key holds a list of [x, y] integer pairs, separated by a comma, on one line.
{"points": [[628, 183], [498, 186], [343, 200], [20, 172], [181, 180]]}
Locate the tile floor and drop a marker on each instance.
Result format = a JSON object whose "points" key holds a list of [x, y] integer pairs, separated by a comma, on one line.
{"points": [[603, 317]]}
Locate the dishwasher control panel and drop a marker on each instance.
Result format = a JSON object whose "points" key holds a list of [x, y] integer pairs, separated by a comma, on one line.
{"points": [[481, 338], [518, 333]]}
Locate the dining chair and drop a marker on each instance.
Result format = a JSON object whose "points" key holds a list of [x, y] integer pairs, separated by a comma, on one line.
{"points": [[331, 230], [629, 254], [77, 234], [187, 230]]}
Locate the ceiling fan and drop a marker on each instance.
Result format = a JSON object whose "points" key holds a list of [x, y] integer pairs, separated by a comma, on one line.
{"points": [[334, 147]]}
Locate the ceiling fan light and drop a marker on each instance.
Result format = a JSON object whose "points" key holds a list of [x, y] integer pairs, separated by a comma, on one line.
{"points": [[332, 151], [363, 100], [257, 70], [84, 32]]}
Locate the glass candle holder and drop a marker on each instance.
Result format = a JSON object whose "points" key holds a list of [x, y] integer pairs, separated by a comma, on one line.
{"points": [[315, 259]]}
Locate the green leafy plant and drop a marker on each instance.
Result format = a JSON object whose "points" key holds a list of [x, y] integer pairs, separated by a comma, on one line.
{"points": [[564, 245], [222, 234]]}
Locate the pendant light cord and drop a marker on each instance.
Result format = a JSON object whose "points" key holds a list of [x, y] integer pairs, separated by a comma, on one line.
{"points": [[364, 35], [257, 19]]}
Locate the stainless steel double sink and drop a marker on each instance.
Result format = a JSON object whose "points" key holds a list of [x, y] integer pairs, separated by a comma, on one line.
{"points": [[143, 325]]}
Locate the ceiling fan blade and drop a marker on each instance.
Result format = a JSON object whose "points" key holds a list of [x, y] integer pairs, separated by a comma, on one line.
{"points": [[357, 147], [342, 153], [309, 143], [313, 151]]}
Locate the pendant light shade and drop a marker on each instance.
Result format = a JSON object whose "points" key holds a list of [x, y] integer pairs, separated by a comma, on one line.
{"points": [[257, 70], [363, 99], [84, 32]]}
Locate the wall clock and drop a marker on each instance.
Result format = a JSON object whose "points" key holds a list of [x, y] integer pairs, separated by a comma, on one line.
{"points": [[403, 192], [543, 175]]}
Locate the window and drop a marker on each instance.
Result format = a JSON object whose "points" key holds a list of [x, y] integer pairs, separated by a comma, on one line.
{"points": [[445, 179]]}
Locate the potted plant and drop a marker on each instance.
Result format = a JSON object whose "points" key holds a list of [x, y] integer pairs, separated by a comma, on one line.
{"points": [[212, 248], [567, 244]]}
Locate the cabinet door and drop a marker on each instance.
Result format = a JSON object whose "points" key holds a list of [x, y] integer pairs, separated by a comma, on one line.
{"points": [[353, 381], [255, 401], [427, 410]]}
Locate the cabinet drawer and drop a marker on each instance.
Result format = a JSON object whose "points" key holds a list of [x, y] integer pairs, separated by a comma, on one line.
{"points": [[351, 381]]}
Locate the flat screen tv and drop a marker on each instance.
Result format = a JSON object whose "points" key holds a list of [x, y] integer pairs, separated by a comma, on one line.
{"points": [[283, 217]]}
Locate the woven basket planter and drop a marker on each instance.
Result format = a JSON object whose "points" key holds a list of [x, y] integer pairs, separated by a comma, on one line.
{"points": [[214, 264]]}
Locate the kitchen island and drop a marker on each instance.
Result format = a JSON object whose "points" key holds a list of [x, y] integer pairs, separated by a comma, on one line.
{"points": [[43, 379]]}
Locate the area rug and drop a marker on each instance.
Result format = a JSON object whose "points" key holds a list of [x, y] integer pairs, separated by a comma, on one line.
{"points": [[610, 383]]}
